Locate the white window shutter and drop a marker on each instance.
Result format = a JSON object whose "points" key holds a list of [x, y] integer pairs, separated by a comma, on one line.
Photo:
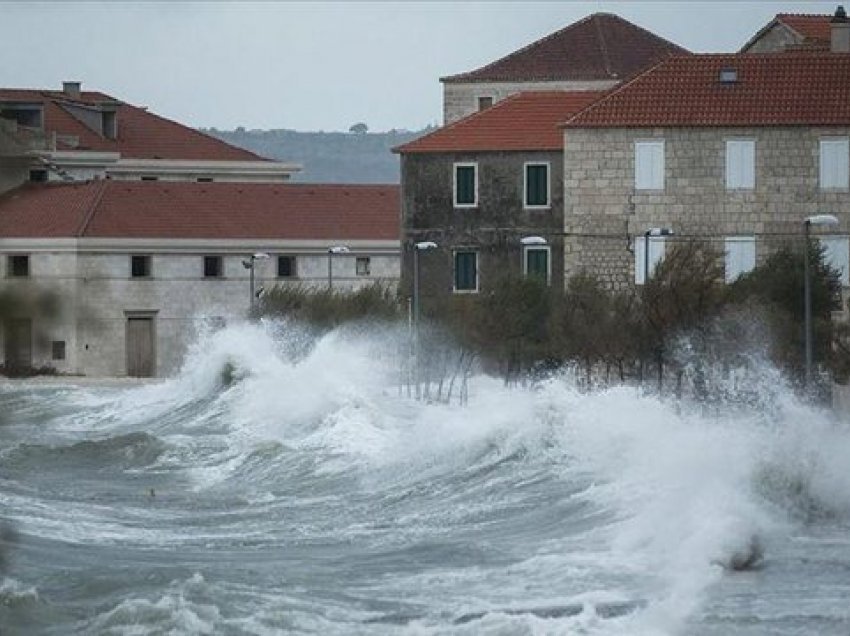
{"points": [[740, 164], [639, 273], [837, 255], [835, 163], [649, 165], [740, 256]]}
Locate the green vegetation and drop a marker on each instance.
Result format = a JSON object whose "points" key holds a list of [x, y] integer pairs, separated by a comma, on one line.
{"points": [[672, 333]]}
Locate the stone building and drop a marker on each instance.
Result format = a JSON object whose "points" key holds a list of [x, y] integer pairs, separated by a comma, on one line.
{"points": [[593, 54], [795, 31], [733, 149], [479, 186], [136, 267]]}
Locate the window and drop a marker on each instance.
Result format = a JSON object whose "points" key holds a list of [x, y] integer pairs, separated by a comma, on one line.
{"points": [[149, 178], [363, 266], [484, 102], [656, 255], [204, 179], [466, 185], [836, 254], [740, 256], [140, 266], [536, 263], [213, 267], [834, 163], [740, 164], [19, 265], [286, 267], [649, 165], [38, 176], [466, 271], [58, 349], [536, 185]]}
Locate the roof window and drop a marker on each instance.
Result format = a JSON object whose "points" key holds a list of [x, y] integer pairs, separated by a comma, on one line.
{"points": [[728, 76]]}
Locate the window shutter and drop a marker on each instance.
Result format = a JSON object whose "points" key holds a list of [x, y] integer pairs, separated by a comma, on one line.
{"points": [[740, 256], [537, 263], [835, 163], [837, 255], [649, 165], [657, 247], [740, 164]]}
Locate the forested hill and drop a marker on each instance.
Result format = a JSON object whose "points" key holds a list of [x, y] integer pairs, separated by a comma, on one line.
{"points": [[327, 157]]}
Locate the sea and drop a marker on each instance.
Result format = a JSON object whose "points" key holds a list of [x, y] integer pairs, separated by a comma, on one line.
{"points": [[287, 484]]}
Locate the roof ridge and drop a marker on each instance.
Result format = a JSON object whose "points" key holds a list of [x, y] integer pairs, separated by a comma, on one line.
{"points": [[626, 84], [95, 202], [603, 47], [523, 49]]}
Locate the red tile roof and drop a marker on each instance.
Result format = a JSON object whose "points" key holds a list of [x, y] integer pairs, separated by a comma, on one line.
{"points": [[525, 121], [809, 26], [790, 89], [158, 209], [602, 46], [141, 134], [813, 30]]}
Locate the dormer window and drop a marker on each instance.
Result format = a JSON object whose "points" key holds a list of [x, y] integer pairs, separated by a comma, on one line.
{"points": [[728, 76]]}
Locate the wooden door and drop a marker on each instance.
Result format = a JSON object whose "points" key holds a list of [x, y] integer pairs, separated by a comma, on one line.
{"points": [[140, 347], [18, 343]]}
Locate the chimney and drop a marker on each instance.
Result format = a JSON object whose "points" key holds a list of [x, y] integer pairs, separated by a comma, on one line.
{"points": [[71, 89], [839, 32]]}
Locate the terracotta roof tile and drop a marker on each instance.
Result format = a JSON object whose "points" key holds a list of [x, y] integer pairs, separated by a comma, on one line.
{"points": [[141, 134], [799, 88], [158, 209], [810, 26], [602, 46], [526, 121]]}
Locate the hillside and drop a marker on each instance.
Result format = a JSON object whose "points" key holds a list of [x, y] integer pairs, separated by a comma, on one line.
{"points": [[327, 157]]}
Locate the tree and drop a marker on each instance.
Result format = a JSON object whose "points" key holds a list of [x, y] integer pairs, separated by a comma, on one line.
{"points": [[359, 128]]}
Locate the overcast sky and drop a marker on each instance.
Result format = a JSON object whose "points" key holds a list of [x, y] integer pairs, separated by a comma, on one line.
{"points": [[315, 66]]}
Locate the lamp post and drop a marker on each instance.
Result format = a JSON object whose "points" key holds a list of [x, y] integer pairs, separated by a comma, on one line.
{"points": [[335, 249], [653, 231], [249, 265], [417, 247], [817, 219]]}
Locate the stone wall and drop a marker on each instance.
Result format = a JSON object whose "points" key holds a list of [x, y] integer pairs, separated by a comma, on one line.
{"points": [[494, 227], [603, 212], [461, 99], [96, 293]]}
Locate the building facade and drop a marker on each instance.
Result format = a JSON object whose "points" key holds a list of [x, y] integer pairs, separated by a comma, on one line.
{"points": [[115, 278], [737, 150], [487, 190]]}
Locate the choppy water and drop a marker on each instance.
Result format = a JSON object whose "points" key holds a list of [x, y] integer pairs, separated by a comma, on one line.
{"points": [[310, 497]]}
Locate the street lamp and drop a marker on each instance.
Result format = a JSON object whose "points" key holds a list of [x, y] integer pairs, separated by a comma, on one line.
{"points": [[421, 246], [817, 219], [249, 265], [335, 249], [418, 247], [653, 231]]}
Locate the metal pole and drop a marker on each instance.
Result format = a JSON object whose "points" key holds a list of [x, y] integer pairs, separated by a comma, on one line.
{"points": [[251, 272], [416, 318], [646, 257], [330, 270], [807, 306]]}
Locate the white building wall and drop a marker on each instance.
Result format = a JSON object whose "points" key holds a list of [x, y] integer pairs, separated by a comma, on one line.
{"points": [[96, 293]]}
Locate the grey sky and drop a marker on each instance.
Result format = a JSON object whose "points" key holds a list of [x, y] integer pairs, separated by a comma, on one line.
{"points": [[315, 66]]}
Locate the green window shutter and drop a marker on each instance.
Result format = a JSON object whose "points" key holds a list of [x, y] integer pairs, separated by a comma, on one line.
{"points": [[537, 263], [465, 185], [466, 271], [536, 185]]}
